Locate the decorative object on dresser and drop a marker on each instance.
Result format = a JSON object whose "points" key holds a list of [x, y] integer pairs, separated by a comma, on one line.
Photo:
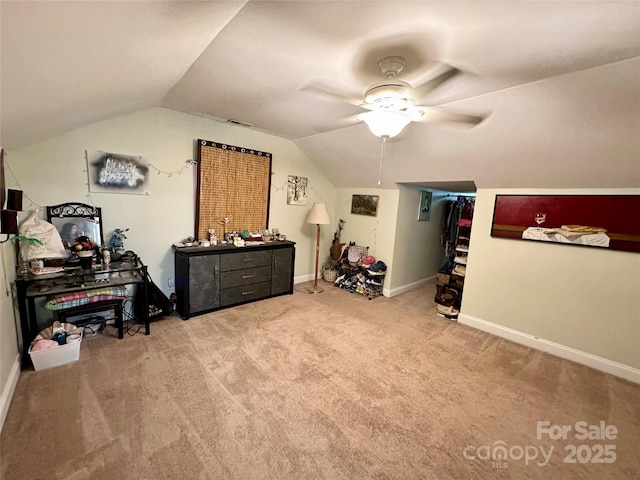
{"points": [[212, 278], [116, 242], [320, 216]]}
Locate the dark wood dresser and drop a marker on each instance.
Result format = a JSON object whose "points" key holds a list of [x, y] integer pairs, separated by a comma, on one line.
{"points": [[212, 278]]}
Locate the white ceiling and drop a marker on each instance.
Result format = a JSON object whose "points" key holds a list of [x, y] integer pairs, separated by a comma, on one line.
{"points": [[560, 80]]}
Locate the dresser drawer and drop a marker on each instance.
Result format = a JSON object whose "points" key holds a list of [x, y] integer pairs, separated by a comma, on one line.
{"points": [[245, 259], [231, 296], [237, 278]]}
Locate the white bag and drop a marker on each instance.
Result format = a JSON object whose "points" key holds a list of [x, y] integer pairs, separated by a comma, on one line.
{"points": [[36, 227]]}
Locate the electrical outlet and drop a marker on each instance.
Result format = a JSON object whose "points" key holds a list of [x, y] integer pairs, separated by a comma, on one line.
{"points": [[170, 282]]}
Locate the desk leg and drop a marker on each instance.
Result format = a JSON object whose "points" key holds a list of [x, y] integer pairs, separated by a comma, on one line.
{"points": [[119, 320], [27, 334], [33, 330], [147, 329]]}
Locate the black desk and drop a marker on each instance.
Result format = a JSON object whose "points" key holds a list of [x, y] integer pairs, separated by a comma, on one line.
{"points": [[30, 286]]}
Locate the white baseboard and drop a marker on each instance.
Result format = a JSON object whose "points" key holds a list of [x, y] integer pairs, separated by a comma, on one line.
{"points": [[305, 278], [608, 366], [385, 291], [8, 390], [405, 288]]}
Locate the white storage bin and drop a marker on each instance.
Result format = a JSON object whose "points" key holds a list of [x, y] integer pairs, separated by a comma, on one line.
{"points": [[53, 357]]}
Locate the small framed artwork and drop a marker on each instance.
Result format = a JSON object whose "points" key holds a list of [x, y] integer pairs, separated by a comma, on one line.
{"points": [[424, 209], [297, 190], [365, 205]]}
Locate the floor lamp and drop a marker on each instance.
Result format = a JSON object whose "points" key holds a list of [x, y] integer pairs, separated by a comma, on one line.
{"points": [[320, 216]]}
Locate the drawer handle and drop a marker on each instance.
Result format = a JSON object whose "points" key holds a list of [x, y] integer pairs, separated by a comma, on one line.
{"points": [[245, 260], [249, 292], [244, 277]]}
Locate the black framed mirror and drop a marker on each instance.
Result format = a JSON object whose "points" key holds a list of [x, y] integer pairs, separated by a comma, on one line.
{"points": [[73, 220]]}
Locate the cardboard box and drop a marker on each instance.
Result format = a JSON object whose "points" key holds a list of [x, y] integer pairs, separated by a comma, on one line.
{"points": [[56, 356]]}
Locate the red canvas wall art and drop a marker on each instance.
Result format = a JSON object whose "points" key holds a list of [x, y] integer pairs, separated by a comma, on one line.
{"points": [[605, 221]]}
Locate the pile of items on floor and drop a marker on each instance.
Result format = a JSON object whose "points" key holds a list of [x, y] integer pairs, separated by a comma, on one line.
{"points": [[56, 345], [368, 284], [360, 273]]}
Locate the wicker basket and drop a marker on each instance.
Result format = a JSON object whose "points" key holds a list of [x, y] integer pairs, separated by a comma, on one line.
{"points": [[329, 274]]}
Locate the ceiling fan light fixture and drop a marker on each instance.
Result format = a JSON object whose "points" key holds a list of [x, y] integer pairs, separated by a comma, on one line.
{"points": [[386, 123], [388, 90]]}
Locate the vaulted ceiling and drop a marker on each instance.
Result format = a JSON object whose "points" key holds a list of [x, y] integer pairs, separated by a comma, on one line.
{"points": [[559, 81]]}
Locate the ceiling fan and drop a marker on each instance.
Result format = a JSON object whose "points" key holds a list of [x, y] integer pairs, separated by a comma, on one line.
{"points": [[393, 103]]}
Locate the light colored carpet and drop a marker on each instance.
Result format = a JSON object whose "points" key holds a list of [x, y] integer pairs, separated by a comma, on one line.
{"points": [[326, 386]]}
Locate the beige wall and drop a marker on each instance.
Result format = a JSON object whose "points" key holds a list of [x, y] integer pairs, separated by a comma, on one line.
{"points": [[377, 233], [418, 254], [9, 366], [54, 171], [587, 299]]}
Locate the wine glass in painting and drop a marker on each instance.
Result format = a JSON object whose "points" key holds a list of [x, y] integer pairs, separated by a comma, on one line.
{"points": [[540, 219]]}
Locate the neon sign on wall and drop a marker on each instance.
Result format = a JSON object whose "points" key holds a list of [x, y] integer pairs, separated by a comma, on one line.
{"points": [[116, 173]]}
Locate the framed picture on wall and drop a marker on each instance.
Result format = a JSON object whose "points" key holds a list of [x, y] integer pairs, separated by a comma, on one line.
{"points": [[603, 221], [365, 205], [424, 209], [297, 190]]}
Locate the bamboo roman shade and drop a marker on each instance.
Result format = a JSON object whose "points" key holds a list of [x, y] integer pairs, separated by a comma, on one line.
{"points": [[232, 181]]}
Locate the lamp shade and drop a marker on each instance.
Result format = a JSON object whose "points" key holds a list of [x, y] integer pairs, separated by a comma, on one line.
{"points": [[318, 214], [386, 123]]}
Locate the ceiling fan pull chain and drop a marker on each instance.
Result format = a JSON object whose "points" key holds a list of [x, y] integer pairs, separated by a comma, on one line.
{"points": [[384, 141]]}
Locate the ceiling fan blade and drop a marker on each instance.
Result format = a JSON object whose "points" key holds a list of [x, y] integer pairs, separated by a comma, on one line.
{"points": [[422, 90], [431, 114], [331, 92], [348, 121]]}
